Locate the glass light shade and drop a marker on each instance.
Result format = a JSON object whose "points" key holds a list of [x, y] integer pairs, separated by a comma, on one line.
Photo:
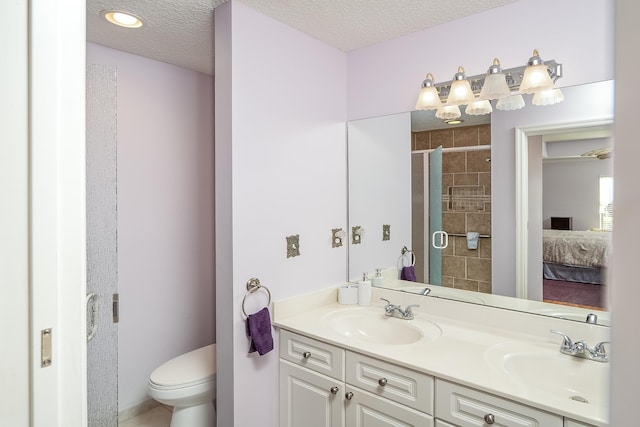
{"points": [[460, 92], [479, 108], [536, 77], [428, 99], [511, 102], [448, 112], [548, 97], [495, 87]]}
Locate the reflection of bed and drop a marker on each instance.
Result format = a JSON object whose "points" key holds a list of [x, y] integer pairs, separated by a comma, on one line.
{"points": [[575, 256]]}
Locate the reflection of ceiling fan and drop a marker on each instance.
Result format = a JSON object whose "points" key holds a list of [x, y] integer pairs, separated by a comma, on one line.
{"points": [[599, 153]]}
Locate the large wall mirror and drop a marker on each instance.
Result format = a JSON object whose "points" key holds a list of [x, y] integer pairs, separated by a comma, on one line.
{"points": [[512, 210]]}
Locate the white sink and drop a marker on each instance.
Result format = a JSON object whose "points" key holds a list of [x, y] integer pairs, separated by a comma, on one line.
{"points": [[371, 325], [544, 368]]}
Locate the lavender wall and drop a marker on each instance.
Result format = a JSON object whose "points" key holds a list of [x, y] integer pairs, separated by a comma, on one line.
{"points": [[285, 140], [165, 214], [385, 78]]}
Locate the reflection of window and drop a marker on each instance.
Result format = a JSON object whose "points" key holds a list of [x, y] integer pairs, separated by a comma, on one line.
{"points": [[606, 202]]}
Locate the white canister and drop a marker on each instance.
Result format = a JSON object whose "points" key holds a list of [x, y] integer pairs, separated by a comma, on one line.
{"points": [[364, 292]]}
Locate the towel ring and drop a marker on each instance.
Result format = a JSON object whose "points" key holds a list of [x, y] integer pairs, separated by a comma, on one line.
{"points": [[252, 286], [412, 260]]}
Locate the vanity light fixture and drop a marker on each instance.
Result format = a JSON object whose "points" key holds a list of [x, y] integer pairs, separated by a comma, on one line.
{"points": [[454, 121], [122, 19], [504, 86]]}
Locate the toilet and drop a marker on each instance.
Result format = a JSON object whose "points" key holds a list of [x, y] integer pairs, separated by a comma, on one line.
{"points": [[188, 383]]}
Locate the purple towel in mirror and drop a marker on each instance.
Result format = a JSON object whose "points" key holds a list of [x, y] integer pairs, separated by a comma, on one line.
{"points": [[408, 273], [259, 331]]}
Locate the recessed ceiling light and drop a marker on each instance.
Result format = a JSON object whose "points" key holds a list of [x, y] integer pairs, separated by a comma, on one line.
{"points": [[454, 121], [123, 19]]}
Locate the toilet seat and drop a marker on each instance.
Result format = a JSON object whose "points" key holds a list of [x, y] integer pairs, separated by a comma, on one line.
{"points": [[187, 370]]}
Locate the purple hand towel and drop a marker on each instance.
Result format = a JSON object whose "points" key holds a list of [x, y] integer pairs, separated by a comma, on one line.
{"points": [[259, 330], [408, 273]]}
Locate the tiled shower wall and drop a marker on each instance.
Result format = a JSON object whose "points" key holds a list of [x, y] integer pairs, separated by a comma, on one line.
{"points": [[466, 203]]}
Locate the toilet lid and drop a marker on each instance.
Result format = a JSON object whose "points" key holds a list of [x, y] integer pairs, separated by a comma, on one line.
{"points": [[191, 368]]}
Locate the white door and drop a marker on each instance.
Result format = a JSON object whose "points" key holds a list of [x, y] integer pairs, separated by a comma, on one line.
{"points": [[43, 226]]}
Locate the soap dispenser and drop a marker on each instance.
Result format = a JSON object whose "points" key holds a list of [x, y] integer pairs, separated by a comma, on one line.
{"points": [[364, 291], [377, 280]]}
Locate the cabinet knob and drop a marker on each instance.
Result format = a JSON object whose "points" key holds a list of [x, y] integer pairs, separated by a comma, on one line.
{"points": [[306, 354], [489, 419], [334, 390], [349, 395], [382, 382]]}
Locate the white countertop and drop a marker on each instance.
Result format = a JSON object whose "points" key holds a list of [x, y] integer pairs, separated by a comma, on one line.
{"points": [[460, 353]]}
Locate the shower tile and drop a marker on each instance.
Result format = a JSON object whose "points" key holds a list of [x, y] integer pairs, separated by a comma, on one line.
{"points": [[465, 179], [484, 287], [465, 136], [453, 162], [485, 248], [484, 135], [467, 285], [447, 282], [484, 179], [480, 222], [421, 141], [442, 137], [461, 249], [453, 222], [479, 269], [453, 266], [477, 161]]}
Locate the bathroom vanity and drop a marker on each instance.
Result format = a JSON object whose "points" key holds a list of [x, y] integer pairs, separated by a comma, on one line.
{"points": [[452, 365]]}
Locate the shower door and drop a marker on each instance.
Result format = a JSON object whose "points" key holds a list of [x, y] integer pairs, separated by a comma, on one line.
{"points": [[438, 239], [102, 258]]}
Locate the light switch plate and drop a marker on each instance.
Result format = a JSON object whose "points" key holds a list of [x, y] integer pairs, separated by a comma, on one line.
{"points": [[356, 235], [293, 246], [386, 232]]}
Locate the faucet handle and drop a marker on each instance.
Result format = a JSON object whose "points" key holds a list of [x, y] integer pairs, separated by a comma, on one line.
{"points": [[407, 310], [567, 344], [386, 300], [599, 349]]}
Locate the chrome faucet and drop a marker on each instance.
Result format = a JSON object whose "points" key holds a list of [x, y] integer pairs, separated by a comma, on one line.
{"points": [[581, 349], [393, 310]]}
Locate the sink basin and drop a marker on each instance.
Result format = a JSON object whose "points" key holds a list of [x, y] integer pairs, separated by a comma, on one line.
{"points": [[372, 326], [544, 368]]}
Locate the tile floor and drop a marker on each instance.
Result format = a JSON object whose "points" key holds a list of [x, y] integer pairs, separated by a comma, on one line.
{"points": [[159, 416]]}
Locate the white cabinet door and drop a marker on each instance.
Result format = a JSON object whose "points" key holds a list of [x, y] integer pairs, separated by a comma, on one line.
{"points": [[364, 409], [309, 399]]}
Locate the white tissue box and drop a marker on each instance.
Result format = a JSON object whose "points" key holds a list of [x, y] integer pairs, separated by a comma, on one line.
{"points": [[348, 294]]}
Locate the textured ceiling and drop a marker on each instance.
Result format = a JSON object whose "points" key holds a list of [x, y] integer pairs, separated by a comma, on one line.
{"points": [[180, 32]]}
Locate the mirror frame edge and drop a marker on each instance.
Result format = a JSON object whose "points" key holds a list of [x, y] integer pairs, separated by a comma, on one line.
{"points": [[522, 135]]}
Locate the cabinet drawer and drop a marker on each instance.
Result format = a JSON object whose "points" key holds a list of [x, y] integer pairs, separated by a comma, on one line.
{"points": [[366, 409], [466, 407], [316, 355], [402, 385], [440, 423]]}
